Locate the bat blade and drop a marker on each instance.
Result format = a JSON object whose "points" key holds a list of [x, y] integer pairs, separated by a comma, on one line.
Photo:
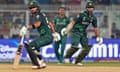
{"points": [[17, 57], [18, 54]]}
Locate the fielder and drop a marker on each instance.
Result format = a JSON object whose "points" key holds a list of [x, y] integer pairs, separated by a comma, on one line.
{"points": [[61, 21], [42, 26], [78, 28]]}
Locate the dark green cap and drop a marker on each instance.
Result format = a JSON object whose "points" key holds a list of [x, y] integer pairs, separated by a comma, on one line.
{"points": [[90, 4], [33, 4]]}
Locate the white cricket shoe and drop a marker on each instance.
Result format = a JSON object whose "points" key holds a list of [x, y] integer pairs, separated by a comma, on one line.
{"points": [[35, 67], [79, 64], [59, 63], [67, 60], [42, 64]]}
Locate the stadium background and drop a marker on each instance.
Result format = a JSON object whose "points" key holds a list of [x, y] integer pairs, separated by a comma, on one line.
{"points": [[15, 13]]}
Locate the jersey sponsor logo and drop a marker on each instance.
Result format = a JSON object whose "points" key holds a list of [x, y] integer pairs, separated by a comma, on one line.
{"points": [[60, 23], [85, 23]]}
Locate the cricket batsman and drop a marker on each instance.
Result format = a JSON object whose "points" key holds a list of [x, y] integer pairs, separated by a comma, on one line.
{"points": [[42, 25], [78, 28], [60, 22]]}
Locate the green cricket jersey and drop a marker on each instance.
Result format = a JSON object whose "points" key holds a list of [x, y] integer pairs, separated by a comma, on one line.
{"points": [[60, 23], [83, 20], [43, 29]]}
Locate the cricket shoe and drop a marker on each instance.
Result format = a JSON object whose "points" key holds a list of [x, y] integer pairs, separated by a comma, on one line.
{"points": [[59, 63], [78, 64], [67, 60], [36, 67], [42, 64]]}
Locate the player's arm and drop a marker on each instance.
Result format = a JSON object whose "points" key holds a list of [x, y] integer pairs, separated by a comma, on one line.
{"points": [[35, 25], [72, 23], [56, 36], [96, 32], [52, 27], [70, 26]]}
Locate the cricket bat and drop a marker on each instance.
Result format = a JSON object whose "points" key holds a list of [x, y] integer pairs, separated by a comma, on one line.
{"points": [[18, 53]]}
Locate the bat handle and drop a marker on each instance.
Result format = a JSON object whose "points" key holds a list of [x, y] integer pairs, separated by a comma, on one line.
{"points": [[21, 42]]}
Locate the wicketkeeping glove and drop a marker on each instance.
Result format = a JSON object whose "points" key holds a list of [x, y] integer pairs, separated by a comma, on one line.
{"points": [[56, 36], [23, 31]]}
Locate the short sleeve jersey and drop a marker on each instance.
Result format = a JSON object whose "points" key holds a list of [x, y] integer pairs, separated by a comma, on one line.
{"points": [[44, 28], [61, 23], [83, 20]]}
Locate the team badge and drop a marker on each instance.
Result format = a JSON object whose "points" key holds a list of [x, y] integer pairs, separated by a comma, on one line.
{"points": [[84, 18], [31, 3], [64, 20]]}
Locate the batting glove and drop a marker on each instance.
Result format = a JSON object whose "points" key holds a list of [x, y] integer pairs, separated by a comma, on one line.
{"points": [[63, 32], [23, 31], [56, 36], [99, 40]]}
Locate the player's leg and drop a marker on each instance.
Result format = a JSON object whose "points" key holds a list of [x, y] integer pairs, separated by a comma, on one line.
{"points": [[38, 43], [38, 54], [32, 55], [41, 41], [85, 50], [63, 43], [74, 41], [56, 49]]}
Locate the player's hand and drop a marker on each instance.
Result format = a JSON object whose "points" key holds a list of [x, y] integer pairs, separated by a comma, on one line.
{"points": [[99, 40], [23, 31], [56, 36], [63, 32]]}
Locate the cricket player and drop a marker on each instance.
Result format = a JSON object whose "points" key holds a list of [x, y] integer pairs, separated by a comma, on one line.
{"points": [[42, 25], [78, 28], [61, 21]]}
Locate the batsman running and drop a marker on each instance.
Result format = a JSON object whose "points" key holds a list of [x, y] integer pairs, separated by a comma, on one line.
{"points": [[60, 22], [78, 28], [42, 25]]}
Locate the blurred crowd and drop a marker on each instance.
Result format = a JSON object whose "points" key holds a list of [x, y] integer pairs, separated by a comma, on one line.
{"points": [[105, 2], [10, 22], [12, 1]]}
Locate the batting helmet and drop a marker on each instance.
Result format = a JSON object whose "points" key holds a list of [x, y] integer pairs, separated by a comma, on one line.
{"points": [[90, 4], [33, 4]]}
